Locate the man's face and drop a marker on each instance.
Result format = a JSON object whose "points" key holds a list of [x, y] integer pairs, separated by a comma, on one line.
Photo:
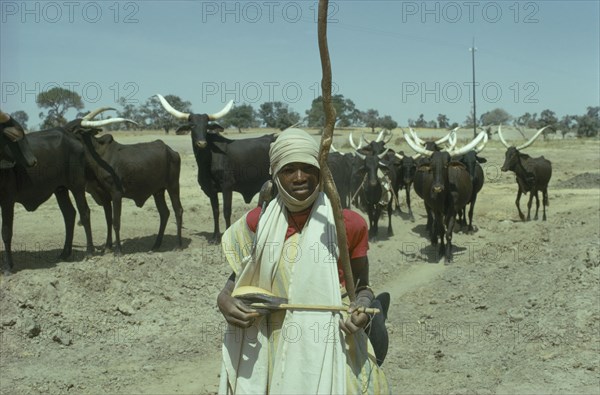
{"points": [[299, 179]]}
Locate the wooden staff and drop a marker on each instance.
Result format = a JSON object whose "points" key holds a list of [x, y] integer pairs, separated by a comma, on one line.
{"points": [[326, 139]]}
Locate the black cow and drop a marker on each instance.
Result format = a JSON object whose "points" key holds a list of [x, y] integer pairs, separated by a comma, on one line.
{"points": [[373, 190], [341, 166], [472, 161], [433, 145], [424, 160], [445, 187], [225, 165], [60, 169], [533, 174], [406, 167], [133, 171], [14, 146]]}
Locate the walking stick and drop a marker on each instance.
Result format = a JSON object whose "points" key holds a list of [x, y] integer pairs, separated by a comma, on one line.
{"points": [[326, 139]]}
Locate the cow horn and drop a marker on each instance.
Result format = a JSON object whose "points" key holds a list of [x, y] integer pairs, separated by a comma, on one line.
{"points": [[381, 155], [361, 156], [415, 137], [452, 140], [171, 110], [480, 148], [352, 142], [446, 137], [502, 137], [104, 122], [380, 136], [333, 148], [416, 147], [4, 117], [399, 156], [389, 138], [531, 140], [94, 113], [222, 113], [463, 150]]}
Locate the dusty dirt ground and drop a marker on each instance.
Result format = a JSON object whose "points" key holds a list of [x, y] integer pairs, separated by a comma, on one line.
{"points": [[517, 312]]}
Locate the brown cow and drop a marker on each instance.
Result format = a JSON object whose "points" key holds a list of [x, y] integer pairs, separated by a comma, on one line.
{"points": [[445, 187], [533, 174]]}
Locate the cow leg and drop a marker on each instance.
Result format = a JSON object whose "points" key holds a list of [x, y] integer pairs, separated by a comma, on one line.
{"points": [[163, 212], [519, 193], [8, 214], [410, 213], [107, 206], [537, 205], [471, 209], [529, 202], [439, 232], [451, 221], [214, 203], [116, 203], [544, 203], [84, 215], [227, 198], [69, 213], [389, 210], [178, 209], [429, 225], [372, 232]]}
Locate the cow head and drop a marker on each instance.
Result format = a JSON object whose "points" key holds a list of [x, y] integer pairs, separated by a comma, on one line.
{"points": [[512, 155], [407, 168], [374, 147], [13, 143], [431, 145], [199, 124], [470, 158]]}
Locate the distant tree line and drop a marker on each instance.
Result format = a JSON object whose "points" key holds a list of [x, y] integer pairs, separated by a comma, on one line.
{"points": [[278, 115]]}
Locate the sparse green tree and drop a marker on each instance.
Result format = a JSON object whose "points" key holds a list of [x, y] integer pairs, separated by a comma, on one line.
{"points": [[497, 116], [277, 115], [154, 116], [345, 109], [21, 117], [387, 122], [421, 122], [588, 125], [527, 120], [242, 116], [443, 121], [58, 101], [370, 119]]}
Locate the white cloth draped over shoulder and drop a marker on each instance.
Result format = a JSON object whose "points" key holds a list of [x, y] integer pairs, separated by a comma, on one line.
{"points": [[311, 358]]}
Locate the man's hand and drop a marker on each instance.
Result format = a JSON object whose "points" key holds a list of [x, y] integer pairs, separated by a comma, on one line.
{"points": [[357, 319], [234, 310]]}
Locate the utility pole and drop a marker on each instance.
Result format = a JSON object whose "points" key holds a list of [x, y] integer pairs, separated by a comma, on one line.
{"points": [[473, 49]]}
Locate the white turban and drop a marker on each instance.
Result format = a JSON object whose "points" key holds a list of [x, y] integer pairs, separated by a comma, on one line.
{"points": [[294, 145]]}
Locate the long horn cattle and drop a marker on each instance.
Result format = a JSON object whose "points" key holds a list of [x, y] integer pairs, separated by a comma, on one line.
{"points": [[472, 160], [405, 175], [14, 146], [133, 171], [61, 168], [422, 162], [225, 165], [533, 174], [446, 187], [374, 192]]}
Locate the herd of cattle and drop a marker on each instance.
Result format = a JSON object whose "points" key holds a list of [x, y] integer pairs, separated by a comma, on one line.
{"points": [[71, 158]]}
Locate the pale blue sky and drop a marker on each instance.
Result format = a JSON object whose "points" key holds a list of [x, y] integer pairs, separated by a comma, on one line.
{"points": [[402, 58]]}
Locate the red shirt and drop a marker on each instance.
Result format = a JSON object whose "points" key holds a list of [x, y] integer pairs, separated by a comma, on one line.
{"points": [[357, 232]]}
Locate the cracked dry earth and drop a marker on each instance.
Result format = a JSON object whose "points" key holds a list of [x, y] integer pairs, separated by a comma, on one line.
{"points": [[517, 312]]}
